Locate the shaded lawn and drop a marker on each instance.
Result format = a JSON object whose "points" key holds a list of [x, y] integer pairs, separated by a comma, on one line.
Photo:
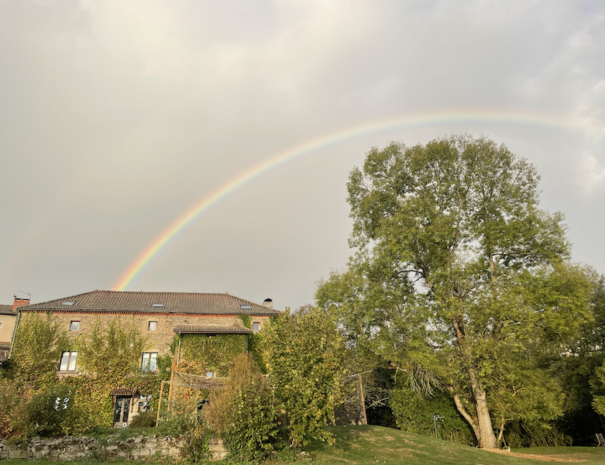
{"points": [[375, 444]]}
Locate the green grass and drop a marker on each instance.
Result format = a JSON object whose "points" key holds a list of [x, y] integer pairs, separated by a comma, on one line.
{"points": [[375, 444]]}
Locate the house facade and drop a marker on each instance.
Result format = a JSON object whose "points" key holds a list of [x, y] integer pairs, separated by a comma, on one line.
{"points": [[8, 319], [159, 316]]}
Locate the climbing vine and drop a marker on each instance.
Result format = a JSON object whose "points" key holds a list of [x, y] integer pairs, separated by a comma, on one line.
{"points": [[201, 353]]}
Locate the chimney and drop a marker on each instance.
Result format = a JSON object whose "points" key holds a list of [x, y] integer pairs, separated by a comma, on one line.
{"points": [[268, 303], [19, 302]]}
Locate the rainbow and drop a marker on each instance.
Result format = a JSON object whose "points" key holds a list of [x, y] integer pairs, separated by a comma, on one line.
{"points": [[195, 211]]}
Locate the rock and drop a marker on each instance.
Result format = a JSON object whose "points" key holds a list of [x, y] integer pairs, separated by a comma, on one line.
{"points": [[19, 454]]}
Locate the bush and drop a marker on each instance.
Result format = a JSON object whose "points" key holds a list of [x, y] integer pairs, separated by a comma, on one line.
{"points": [[196, 446], [53, 412], [144, 419], [413, 414], [243, 412], [13, 411], [305, 358]]}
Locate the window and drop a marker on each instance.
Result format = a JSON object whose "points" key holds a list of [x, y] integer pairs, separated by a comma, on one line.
{"points": [[149, 361], [69, 302], [68, 361], [144, 403], [245, 307], [157, 305], [74, 326], [153, 325], [0, 324], [209, 374], [256, 326]]}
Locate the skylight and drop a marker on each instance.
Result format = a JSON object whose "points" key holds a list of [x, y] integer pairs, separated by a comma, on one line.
{"points": [[246, 307], [157, 305], [68, 302]]}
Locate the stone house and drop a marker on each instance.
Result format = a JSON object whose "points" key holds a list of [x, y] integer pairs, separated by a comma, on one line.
{"points": [[160, 316], [8, 319]]}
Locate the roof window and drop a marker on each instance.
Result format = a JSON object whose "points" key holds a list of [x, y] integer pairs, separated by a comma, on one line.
{"points": [[157, 305], [68, 302], [246, 307]]}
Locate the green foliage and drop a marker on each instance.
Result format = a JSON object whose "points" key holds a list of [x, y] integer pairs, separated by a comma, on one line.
{"points": [[413, 414], [38, 347], [201, 353], [53, 412], [115, 349], [196, 439], [460, 280], [243, 412], [164, 363], [527, 434], [110, 355], [13, 408], [305, 354]]}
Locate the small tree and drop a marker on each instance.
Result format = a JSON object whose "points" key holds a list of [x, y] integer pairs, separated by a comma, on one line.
{"points": [[305, 354], [243, 412]]}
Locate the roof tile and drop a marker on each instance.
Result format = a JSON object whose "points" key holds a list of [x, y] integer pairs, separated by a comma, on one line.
{"points": [[211, 329], [172, 302]]}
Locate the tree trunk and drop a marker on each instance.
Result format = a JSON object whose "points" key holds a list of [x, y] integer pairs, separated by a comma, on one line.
{"points": [[487, 440], [482, 424]]}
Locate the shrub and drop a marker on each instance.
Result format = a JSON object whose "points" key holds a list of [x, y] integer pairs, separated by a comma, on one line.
{"points": [[305, 358], [144, 419], [413, 414], [13, 411], [195, 447], [53, 412], [243, 412]]}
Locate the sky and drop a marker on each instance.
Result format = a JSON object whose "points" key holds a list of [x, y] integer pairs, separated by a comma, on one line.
{"points": [[117, 117]]}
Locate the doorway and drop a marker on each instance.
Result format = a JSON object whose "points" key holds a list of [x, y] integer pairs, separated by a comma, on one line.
{"points": [[120, 412]]}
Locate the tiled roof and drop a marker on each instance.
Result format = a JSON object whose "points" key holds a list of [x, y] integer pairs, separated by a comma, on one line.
{"points": [[7, 310], [123, 392], [211, 329], [142, 302]]}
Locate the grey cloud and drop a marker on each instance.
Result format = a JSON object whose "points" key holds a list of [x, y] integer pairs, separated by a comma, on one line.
{"points": [[117, 116]]}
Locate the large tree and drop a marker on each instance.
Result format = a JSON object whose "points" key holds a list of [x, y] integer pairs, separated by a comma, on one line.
{"points": [[459, 278]]}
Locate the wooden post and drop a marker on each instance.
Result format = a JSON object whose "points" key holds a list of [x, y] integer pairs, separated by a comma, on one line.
{"points": [[172, 375], [363, 401], [170, 388], [157, 420]]}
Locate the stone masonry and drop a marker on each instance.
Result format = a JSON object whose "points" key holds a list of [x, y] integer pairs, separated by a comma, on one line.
{"points": [[70, 448], [160, 339]]}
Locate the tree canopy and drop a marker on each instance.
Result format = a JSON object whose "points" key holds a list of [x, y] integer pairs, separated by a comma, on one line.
{"points": [[459, 279]]}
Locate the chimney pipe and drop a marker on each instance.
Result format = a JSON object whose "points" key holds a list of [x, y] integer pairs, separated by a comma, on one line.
{"points": [[268, 303], [19, 302]]}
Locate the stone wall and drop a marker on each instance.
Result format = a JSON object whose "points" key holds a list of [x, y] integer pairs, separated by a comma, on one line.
{"points": [[70, 448]]}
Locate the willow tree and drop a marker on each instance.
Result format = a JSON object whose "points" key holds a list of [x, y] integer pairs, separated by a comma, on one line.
{"points": [[458, 275]]}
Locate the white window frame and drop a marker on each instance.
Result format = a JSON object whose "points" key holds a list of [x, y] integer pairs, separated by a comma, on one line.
{"points": [[256, 326], [149, 360], [71, 324], [155, 324], [71, 360]]}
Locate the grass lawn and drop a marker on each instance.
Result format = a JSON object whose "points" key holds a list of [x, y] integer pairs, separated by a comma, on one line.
{"points": [[375, 444]]}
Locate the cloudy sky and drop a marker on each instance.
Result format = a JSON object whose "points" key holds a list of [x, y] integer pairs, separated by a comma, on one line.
{"points": [[117, 116]]}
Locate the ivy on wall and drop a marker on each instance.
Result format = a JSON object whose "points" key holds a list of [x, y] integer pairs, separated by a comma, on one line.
{"points": [[201, 353]]}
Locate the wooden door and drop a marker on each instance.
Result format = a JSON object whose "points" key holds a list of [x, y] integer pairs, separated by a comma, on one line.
{"points": [[120, 412]]}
